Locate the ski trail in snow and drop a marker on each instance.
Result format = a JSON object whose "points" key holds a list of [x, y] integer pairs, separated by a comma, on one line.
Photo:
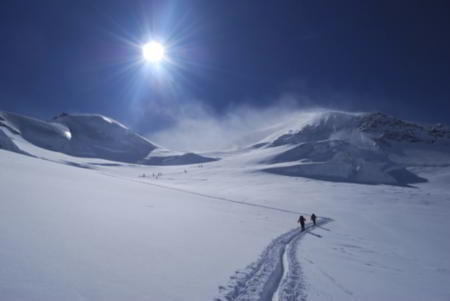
{"points": [[291, 286], [285, 265], [209, 196], [222, 198], [275, 276]]}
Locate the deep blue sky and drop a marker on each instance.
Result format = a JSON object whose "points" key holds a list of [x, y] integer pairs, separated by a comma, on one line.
{"points": [[82, 56]]}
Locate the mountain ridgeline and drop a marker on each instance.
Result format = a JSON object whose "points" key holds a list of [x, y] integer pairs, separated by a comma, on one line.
{"points": [[367, 148], [89, 136], [364, 148]]}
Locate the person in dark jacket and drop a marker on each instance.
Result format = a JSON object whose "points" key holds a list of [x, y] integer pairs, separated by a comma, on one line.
{"points": [[313, 218], [301, 220]]}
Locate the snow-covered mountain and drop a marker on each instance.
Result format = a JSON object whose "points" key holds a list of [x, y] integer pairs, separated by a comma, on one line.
{"points": [[224, 230], [364, 148], [90, 136], [370, 148], [376, 126]]}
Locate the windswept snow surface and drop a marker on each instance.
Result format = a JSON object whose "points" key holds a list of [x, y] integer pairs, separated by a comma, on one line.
{"points": [[75, 228]]}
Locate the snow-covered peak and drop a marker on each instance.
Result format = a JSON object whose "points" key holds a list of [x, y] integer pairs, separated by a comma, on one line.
{"points": [[376, 126], [96, 120], [85, 135], [357, 147], [317, 127], [92, 136]]}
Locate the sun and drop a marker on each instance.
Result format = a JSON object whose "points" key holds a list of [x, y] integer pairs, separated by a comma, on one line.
{"points": [[153, 52]]}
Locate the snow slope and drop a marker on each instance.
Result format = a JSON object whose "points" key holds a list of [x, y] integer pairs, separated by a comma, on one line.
{"points": [[363, 148], [74, 228], [78, 234], [89, 136]]}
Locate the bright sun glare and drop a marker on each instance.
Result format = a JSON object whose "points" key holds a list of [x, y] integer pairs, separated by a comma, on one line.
{"points": [[153, 52]]}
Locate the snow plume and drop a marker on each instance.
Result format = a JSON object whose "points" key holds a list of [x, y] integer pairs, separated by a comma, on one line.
{"points": [[197, 127]]}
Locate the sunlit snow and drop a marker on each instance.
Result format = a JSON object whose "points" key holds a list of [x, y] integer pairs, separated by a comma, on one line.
{"points": [[89, 228]]}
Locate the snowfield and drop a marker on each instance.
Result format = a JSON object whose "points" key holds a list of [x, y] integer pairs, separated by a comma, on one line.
{"points": [[77, 228]]}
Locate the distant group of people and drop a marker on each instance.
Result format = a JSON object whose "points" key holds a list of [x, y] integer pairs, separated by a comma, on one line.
{"points": [[302, 220], [154, 176]]}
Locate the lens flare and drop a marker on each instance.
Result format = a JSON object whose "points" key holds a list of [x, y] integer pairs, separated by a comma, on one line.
{"points": [[153, 52]]}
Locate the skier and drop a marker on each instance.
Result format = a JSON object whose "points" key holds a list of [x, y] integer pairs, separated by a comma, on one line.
{"points": [[313, 218], [301, 220]]}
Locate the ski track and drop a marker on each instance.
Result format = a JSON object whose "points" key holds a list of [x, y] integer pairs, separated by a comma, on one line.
{"points": [[204, 195], [222, 198], [275, 276]]}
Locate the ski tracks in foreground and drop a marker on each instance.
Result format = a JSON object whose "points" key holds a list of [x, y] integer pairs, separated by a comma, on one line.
{"points": [[275, 276]]}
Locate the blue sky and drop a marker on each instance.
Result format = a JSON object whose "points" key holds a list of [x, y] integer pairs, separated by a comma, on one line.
{"points": [[85, 56]]}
